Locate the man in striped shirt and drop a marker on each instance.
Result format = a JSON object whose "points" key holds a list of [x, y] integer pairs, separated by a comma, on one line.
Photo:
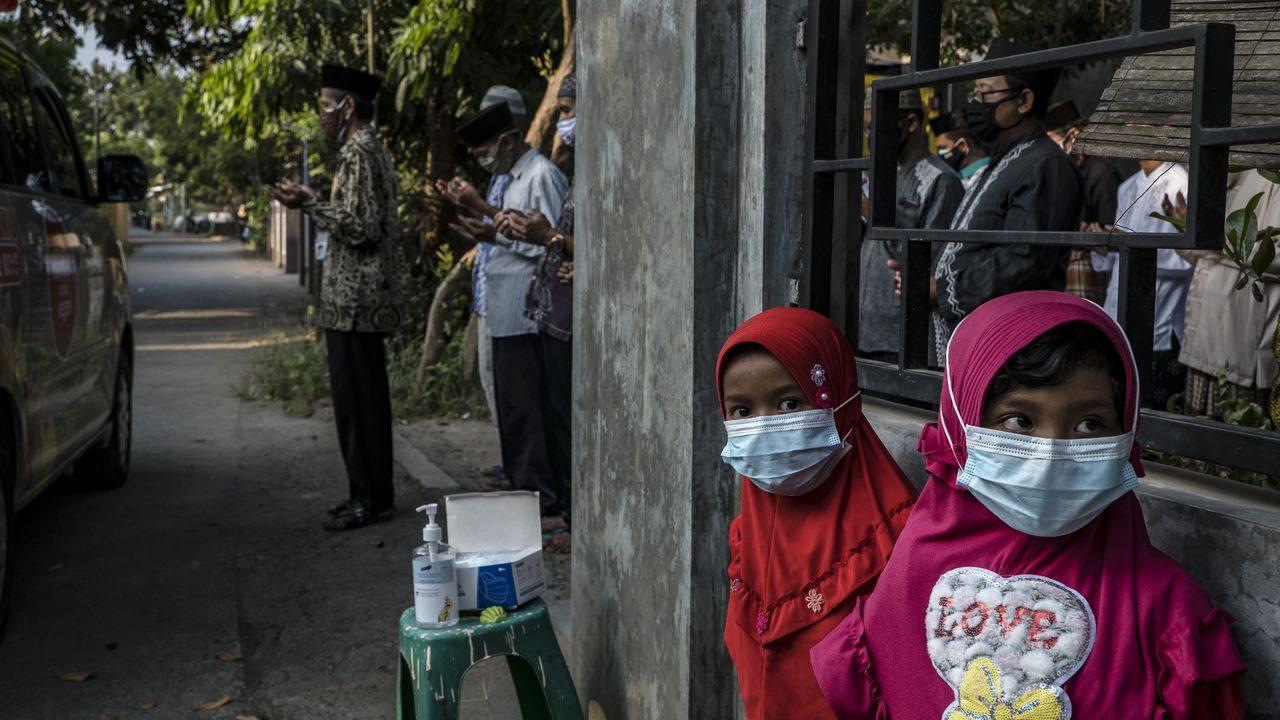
{"points": [[536, 184]]}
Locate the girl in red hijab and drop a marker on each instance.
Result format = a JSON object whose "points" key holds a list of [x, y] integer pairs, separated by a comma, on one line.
{"points": [[822, 502], [1025, 586]]}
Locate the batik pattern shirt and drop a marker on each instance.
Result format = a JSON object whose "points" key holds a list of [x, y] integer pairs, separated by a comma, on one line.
{"points": [[550, 301], [361, 287]]}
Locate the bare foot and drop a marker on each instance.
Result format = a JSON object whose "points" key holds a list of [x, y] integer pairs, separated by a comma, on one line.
{"points": [[552, 523]]}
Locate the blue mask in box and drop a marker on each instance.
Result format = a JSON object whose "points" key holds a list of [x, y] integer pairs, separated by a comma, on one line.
{"points": [[788, 454]]}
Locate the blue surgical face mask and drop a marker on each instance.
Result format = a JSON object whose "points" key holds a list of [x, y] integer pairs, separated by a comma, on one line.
{"points": [[567, 130], [788, 454], [1043, 486]]}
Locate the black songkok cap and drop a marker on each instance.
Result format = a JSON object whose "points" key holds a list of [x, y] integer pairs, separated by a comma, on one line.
{"points": [[948, 122], [356, 82], [1062, 114], [487, 125], [1041, 81]]}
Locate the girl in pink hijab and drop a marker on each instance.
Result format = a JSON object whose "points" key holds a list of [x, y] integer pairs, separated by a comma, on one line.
{"points": [[1025, 586]]}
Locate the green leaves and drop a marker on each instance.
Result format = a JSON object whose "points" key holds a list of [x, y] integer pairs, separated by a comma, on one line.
{"points": [[1175, 221], [1265, 255], [1250, 248]]}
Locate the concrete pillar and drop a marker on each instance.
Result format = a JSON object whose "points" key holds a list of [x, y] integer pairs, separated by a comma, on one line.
{"points": [[689, 173]]}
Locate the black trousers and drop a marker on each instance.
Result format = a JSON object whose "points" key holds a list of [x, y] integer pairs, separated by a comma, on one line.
{"points": [[557, 414], [362, 411], [518, 393]]}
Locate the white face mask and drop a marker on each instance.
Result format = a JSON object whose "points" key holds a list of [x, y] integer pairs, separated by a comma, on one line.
{"points": [[788, 454], [568, 130], [1044, 486]]}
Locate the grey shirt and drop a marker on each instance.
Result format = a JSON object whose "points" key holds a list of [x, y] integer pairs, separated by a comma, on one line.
{"points": [[536, 184], [929, 192]]}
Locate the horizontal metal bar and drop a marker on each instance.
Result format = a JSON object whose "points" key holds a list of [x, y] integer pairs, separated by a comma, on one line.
{"points": [[887, 380], [838, 166], [1126, 46], [1213, 442], [1187, 437], [1250, 135], [1173, 241]]}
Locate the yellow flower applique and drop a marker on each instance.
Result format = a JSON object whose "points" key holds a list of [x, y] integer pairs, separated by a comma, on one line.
{"points": [[981, 697]]}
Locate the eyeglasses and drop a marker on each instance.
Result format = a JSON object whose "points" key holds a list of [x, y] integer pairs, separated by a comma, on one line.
{"points": [[981, 95]]}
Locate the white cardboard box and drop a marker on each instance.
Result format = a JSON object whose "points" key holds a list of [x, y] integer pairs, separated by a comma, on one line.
{"points": [[498, 538]]}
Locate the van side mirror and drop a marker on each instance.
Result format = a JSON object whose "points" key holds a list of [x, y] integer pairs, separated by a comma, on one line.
{"points": [[122, 178]]}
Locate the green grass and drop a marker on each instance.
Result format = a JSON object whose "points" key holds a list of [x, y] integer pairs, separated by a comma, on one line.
{"points": [[290, 368]]}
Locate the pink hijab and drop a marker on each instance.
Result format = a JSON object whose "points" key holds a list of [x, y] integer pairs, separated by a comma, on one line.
{"points": [[1097, 623]]}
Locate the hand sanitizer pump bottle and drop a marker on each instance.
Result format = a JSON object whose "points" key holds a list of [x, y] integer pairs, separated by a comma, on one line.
{"points": [[435, 582]]}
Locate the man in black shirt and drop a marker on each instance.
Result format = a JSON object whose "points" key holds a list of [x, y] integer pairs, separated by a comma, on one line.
{"points": [[1030, 185]]}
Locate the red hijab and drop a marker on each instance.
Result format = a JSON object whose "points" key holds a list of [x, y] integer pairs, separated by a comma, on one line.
{"points": [[836, 538], [1148, 627]]}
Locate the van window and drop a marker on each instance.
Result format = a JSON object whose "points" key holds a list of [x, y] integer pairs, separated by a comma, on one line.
{"points": [[24, 145], [59, 144]]}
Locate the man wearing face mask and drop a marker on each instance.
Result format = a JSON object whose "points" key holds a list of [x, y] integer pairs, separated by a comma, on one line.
{"points": [[360, 293], [959, 149], [485, 207], [929, 191], [549, 303], [1031, 185], [535, 184]]}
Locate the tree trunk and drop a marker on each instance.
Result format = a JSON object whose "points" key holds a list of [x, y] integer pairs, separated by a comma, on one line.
{"points": [[440, 166], [433, 340], [471, 352], [542, 131]]}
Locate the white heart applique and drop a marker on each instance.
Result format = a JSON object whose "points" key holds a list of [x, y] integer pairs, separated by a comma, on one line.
{"points": [[1006, 645]]}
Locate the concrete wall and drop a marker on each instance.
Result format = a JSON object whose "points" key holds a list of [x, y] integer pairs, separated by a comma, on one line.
{"points": [[690, 154], [1226, 534]]}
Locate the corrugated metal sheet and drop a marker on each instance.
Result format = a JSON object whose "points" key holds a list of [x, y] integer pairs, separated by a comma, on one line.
{"points": [[1145, 113]]}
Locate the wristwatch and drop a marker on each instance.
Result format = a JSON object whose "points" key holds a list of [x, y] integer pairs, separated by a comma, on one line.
{"points": [[557, 243]]}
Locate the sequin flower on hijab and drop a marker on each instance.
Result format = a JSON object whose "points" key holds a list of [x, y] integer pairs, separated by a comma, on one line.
{"points": [[819, 377]]}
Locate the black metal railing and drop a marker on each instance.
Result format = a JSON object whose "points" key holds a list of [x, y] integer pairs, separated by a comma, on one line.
{"points": [[833, 232]]}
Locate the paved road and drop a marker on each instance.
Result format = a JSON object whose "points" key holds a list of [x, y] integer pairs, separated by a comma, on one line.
{"points": [[214, 546]]}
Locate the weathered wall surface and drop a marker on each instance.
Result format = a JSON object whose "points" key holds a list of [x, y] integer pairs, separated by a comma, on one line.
{"points": [[689, 169], [1227, 535], [633, 351]]}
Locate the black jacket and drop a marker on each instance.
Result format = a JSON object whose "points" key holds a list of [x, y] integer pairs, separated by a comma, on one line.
{"points": [[1032, 185]]}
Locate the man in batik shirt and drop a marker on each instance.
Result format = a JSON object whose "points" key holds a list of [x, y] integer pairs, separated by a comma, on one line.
{"points": [[360, 294]]}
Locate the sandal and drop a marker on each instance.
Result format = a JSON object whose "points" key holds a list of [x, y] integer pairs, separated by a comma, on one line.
{"points": [[356, 516], [553, 523]]}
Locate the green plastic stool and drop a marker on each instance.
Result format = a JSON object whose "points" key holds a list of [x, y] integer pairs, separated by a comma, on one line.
{"points": [[434, 661]]}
